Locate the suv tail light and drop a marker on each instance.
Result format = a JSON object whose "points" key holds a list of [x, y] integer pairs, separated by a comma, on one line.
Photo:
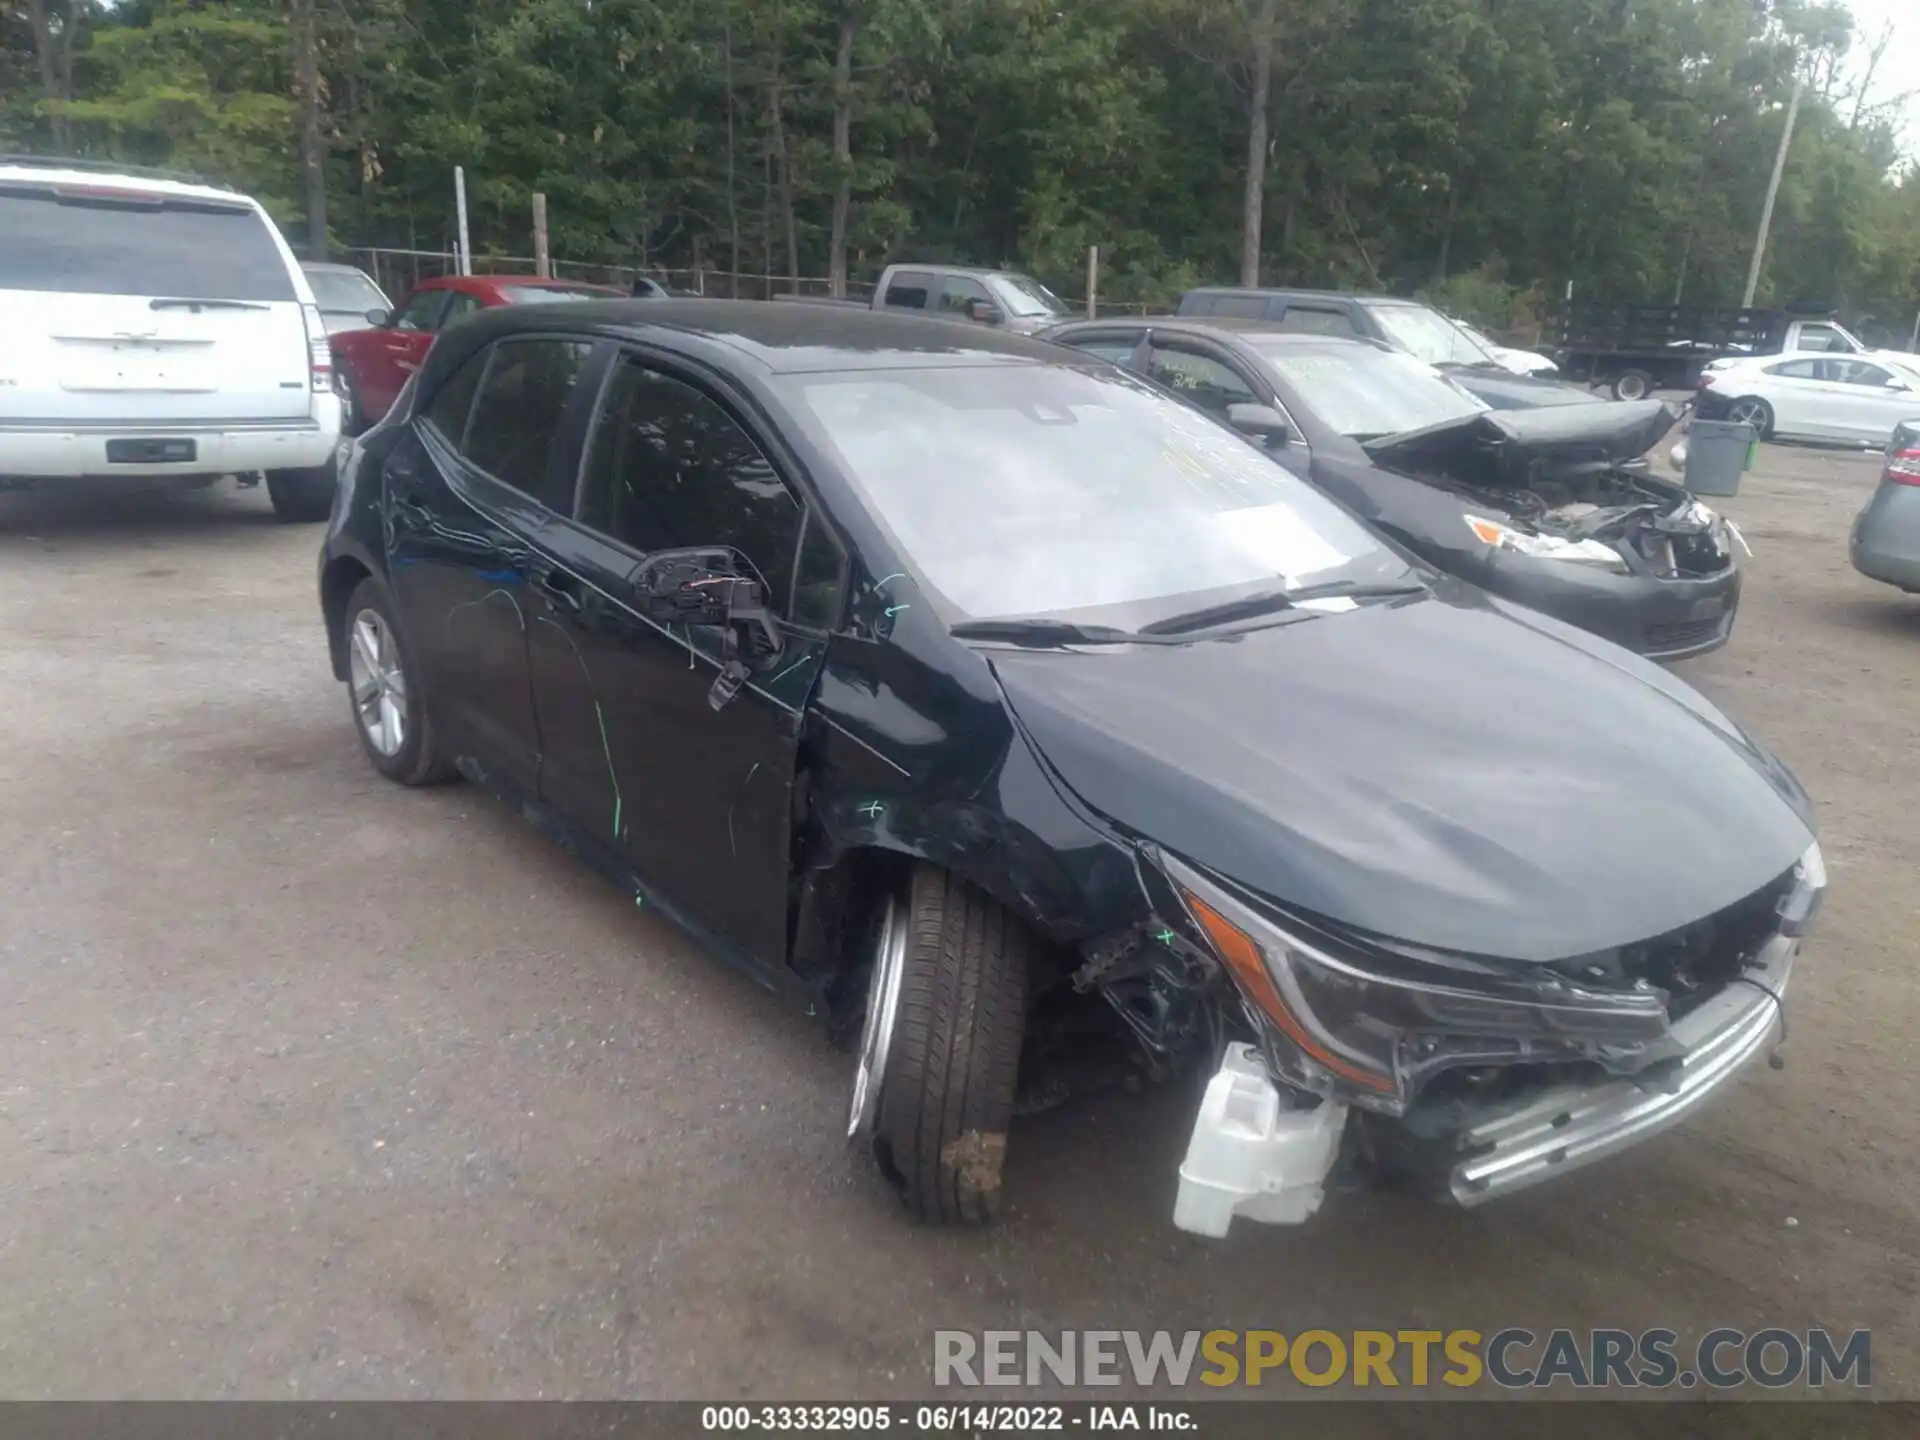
{"points": [[319, 357]]}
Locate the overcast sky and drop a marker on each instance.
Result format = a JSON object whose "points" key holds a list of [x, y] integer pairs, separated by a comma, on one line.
{"points": [[1900, 68]]}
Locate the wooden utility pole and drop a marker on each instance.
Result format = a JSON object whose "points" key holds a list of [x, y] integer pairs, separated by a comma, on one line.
{"points": [[1773, 193], [313, 154], [842, 149], [542, 265], [1253, 197]]}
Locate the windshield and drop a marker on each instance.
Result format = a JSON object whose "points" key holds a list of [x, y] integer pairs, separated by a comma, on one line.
{"points": [[93, 240], [1362, 392], [345, 292], [1023, 295], [1026, 490], [1428, 334], [542, 294]]}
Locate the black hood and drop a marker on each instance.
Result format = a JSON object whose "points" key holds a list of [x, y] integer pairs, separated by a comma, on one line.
{"points": [[1504, 390], [1454, 773], [1514, 445]]}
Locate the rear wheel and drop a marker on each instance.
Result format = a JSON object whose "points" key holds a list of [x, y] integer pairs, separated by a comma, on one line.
{"points": [[1752, 410], [1632, 385], [302, 495], [940, 1047], [384, 690]]}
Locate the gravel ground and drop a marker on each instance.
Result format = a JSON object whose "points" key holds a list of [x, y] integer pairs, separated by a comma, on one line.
{"points": [[311, 1086]]}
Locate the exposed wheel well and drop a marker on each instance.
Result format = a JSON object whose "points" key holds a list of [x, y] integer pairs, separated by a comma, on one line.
{"points": [[336, 585], [837, 906]]}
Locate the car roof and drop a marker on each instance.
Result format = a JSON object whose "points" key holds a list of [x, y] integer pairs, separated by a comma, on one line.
{"points": [[781, 339], [945, 268], [14, 172], [489, 282], [1231, 327], [1289, 293]]}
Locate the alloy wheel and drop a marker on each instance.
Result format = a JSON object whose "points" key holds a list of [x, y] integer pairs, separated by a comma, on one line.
{"points": [[1747, 412], [883, 1000], [379, 682]]}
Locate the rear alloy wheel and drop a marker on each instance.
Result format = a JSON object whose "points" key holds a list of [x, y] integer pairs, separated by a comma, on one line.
{"points": [[940, 1046], [389, 705], [1752, 410], [1632, 385], [302, 495]]}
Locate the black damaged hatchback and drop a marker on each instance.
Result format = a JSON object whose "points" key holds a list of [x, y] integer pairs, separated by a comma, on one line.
{"points": [[933, 675]]}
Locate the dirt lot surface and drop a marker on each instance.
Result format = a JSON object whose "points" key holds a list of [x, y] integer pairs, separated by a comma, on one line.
{"points": [[312, 1086]]}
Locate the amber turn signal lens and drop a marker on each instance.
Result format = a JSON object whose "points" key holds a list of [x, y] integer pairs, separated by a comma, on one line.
{"points": [[1242, 957]]}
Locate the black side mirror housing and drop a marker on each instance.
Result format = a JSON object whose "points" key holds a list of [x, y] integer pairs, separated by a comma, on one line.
{"points": [[712, 587], [1262, 422]]}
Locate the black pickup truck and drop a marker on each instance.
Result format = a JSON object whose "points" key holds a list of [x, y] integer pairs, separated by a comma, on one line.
{"points": [[1637, 349]]}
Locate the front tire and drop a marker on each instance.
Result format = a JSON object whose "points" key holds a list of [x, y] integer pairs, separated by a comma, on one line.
{"points": [[940, 1047], [301, 496], [384, 693]]}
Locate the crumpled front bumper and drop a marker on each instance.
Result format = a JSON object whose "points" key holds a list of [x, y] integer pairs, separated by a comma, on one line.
{"points": [[1556, 1132]]}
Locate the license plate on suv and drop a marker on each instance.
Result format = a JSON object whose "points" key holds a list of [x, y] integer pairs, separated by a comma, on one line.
{"points": [[151, 452]]}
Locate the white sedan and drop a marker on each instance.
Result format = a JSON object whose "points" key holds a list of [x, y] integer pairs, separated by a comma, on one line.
{"points": [[1815, 396]]}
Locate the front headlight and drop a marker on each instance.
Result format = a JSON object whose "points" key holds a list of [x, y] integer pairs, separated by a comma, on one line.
{"points": [[1372, 1033], [1546, 547]]}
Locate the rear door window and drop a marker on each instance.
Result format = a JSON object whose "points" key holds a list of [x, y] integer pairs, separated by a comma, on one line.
{"points": [[454, 401], [1797, 370], [1317, 320], [909, 290], [516, 419], [98, 240], [1237, 307]]}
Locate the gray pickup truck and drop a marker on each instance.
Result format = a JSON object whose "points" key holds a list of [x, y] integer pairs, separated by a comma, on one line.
{"points": [[1006, 298]]}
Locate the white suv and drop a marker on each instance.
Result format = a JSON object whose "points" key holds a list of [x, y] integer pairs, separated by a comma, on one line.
{"points": [[151, 328]]}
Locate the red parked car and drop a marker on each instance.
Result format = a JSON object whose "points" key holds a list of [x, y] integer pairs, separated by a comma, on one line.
{"points": [[370, 366]]}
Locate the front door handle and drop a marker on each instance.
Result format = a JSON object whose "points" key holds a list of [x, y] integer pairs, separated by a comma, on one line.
{"points": [[559, 590]]}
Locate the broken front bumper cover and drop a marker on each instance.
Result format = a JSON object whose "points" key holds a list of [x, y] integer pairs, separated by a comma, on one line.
{"points": [[1560, 1130], [1252, 1155]]}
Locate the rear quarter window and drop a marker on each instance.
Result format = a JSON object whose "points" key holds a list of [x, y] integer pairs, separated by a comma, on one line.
{"points": [[92, 241]]}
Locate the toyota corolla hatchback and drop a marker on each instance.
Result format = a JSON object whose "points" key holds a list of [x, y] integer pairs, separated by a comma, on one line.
{"points": [[932, 674]]}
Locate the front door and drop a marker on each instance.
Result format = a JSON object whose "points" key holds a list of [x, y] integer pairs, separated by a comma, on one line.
{"points": [[401, 347], [468, 495], [697, 800]]}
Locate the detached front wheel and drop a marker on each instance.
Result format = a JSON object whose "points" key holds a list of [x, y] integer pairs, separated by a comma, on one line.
{"points": [[940, 1046]]}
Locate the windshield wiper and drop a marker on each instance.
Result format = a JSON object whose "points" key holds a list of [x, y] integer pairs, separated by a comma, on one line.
{"points": [[1249, 606], [165, 303], [1041, 632]]}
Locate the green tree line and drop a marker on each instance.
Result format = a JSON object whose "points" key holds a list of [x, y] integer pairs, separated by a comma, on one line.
{"points": [[1488, 152]]}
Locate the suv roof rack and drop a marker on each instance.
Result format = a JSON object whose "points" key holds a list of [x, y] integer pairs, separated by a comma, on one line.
{"points": [[110, 167]]}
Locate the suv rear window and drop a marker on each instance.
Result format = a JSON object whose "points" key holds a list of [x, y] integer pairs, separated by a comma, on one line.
{"points": [[101, 242]]}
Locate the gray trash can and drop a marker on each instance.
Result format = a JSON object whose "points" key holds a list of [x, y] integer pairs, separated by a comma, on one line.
{"points": [[1718, 452]]}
